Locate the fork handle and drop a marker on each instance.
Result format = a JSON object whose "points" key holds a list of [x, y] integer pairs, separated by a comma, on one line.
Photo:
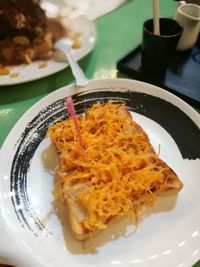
{"points": [[80, 78]]}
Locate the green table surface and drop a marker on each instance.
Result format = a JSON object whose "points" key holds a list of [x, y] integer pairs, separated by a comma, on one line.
{"points": [[118, 33]]}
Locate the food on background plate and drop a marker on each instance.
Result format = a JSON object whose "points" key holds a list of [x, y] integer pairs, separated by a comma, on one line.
{"points": [[116, 174], [26, 33]]}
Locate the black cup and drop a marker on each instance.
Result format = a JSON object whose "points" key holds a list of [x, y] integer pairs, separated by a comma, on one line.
{"points": [[157, 50]]}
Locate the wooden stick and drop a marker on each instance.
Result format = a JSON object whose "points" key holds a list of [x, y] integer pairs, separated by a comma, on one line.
{"points": [[156, 23]]}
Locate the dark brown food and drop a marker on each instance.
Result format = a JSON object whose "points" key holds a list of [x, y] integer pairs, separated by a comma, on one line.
{"points": [[25, 32], [21, 17]]}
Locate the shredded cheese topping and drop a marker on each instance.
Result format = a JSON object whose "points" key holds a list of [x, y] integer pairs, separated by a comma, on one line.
{"points": [[116, 173]]}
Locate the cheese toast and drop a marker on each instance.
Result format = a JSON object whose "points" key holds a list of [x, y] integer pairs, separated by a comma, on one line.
{"points": [[116, 174]]}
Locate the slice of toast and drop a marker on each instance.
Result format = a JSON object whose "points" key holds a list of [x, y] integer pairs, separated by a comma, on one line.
{"points": [[117, 173], [76, 213]]}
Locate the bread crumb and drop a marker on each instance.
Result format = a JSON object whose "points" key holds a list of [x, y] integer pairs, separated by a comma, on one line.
{"points": [[4, 71], [76, 43], [42, 65], [14, 75]]}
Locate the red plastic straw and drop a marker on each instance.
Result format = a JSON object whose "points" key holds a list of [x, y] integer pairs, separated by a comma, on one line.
{"points": [[70, 107]]}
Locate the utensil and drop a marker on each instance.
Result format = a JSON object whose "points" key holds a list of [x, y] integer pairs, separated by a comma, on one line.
{"points": [[65, 45], [156, 23]]}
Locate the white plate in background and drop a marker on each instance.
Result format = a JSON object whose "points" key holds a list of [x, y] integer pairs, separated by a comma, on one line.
{"points": [[80, 25]]}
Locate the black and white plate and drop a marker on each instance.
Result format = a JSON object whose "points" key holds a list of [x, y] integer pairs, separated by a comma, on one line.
{"points": [[35, 234]]}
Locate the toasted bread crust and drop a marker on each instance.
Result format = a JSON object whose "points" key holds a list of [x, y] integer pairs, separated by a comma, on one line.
{"points": [[78, 229]]}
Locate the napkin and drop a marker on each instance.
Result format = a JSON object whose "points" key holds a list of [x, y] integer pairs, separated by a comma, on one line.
{"points": [[95, 8], [92, 9]]}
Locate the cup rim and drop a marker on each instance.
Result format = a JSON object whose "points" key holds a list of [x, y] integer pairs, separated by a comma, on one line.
{"points": [[187, 15], [162, 35]]}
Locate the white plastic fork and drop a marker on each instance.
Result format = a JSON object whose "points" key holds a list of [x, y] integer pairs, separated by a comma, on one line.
{"points": [[65, 45]]}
